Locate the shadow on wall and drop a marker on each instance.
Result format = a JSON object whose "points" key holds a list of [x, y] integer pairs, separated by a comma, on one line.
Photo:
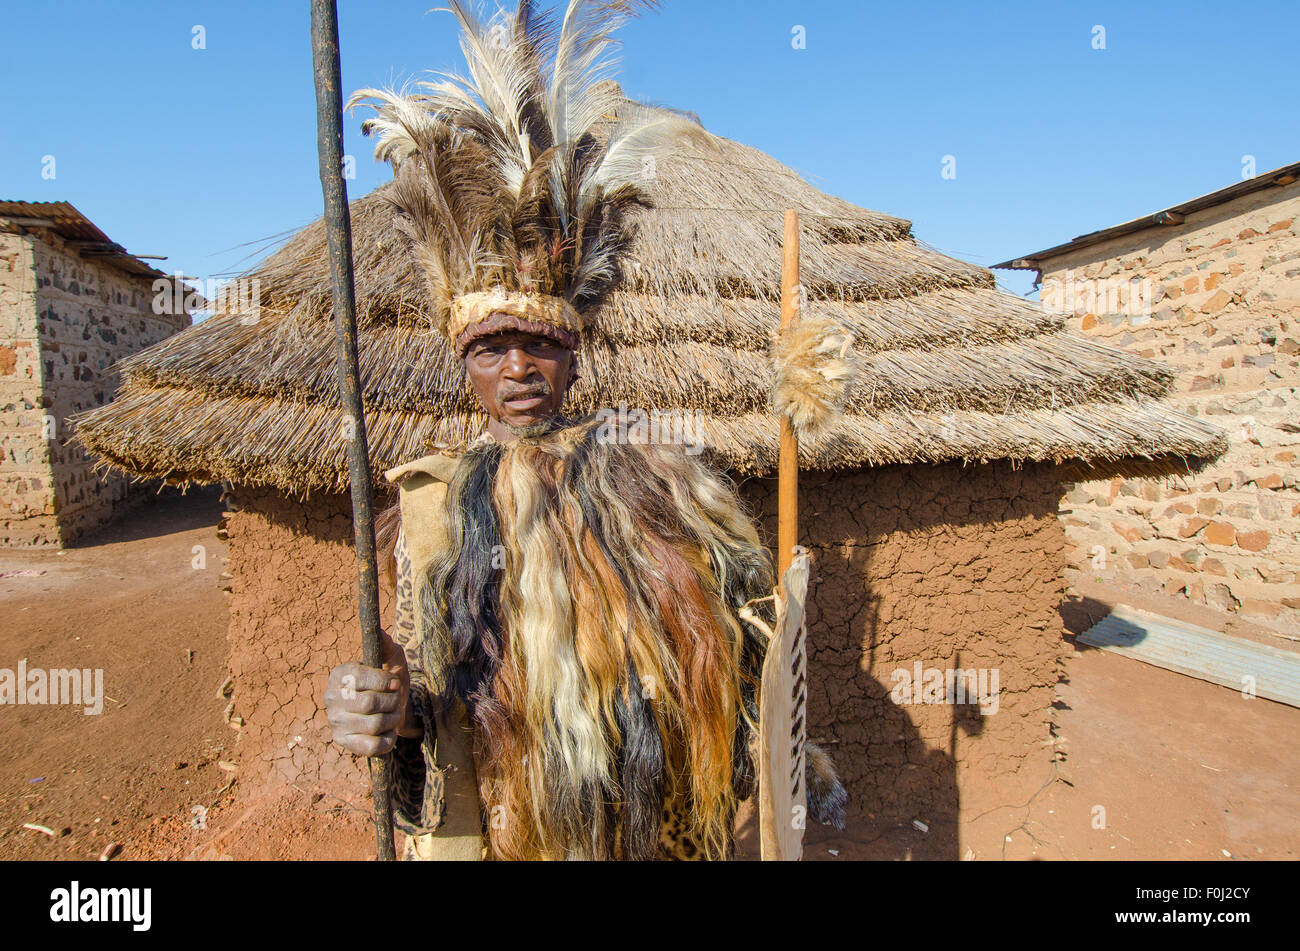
{"points": [[922, 570], [914, 815], [1078, 616], [170, 509]]}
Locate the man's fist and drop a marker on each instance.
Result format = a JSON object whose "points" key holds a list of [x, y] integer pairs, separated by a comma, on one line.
{"points": [[369, 707]]}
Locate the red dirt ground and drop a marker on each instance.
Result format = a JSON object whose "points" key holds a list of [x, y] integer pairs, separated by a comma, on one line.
{"points": [[1183, 769], [129, 600]]}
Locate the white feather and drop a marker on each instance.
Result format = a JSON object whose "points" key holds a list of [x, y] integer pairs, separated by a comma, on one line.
{"points": [[640, 135], [399, 126], [580, 95]]}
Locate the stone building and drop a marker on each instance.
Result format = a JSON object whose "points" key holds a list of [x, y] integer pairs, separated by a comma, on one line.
{"points": [[930, 507], [1211, 287], [72, 303]]}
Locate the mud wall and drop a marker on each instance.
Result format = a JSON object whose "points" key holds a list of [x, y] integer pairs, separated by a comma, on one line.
{"points": [[293, 618], [947, 567]]}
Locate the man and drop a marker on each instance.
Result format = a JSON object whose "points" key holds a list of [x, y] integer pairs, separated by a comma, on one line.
{"points": [[570, 675], [521, 380]]}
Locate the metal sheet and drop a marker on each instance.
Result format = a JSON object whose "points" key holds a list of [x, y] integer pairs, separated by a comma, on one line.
{"points": [[1269, 672], [72, 225]]}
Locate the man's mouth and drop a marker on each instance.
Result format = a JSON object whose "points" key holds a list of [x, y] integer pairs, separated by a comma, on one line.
{"points": [[525, 400]]}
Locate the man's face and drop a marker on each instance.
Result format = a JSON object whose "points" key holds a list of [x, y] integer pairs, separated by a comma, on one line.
{"points": [[519, 378]]}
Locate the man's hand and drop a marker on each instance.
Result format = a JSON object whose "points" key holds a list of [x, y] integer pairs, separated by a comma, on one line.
{"points": [[369, 707]]}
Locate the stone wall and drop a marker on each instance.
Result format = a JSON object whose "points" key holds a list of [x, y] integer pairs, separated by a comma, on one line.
{"points": [[26, 482], [946, 567], [65, 321], [1223, 310]]}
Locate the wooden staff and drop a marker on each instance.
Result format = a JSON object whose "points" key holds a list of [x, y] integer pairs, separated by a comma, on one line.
{"points": [[338, 225], [787, 492], [782, 805]]}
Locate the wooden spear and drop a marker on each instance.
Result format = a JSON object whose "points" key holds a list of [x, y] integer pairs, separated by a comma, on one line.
{"points": [[782, 719], [338, 225], [787, 506]]}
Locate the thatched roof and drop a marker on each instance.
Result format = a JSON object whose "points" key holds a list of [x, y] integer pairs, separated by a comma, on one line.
{"points": [[952, 367]]}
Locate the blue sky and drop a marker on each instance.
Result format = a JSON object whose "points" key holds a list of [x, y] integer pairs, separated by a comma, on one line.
{"points": [[206, 155]]}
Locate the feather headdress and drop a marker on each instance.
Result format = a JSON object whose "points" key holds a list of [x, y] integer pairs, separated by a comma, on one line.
{"points": [[514, 182]]}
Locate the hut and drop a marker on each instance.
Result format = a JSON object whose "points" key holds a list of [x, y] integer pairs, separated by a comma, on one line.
{"points": [[930, 508]]}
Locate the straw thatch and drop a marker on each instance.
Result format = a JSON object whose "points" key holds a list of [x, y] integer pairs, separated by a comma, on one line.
{"points": [[952, 368]]}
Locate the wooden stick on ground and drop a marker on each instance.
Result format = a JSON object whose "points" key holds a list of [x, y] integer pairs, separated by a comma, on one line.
{"points": [[338, 224]]}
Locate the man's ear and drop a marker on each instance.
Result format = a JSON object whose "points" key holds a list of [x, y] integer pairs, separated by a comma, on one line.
{"points": [[573, 370]]}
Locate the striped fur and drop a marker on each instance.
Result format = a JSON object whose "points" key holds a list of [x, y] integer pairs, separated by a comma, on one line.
{"points": [[602, 659]]}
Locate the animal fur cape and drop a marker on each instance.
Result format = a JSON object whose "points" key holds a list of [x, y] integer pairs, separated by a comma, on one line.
{"points": [[585, 612]]}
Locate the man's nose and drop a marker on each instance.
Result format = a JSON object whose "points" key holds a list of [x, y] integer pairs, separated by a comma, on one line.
{"points": [[518, 365]]}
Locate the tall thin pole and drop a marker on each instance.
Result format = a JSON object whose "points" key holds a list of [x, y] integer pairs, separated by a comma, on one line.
{"points": [[787, 519], [338, 225], [782, 800]]}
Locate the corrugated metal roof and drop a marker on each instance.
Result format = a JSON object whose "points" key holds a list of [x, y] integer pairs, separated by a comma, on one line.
{"points": [[70, 224], [1174, 214]]}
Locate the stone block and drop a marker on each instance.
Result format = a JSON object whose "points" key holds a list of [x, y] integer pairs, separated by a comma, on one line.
{"points": [[1129, 533], [1220, 597], [1253, 541], [1271, 508], [1258, 607], [1220, 533], [1216, 302]]}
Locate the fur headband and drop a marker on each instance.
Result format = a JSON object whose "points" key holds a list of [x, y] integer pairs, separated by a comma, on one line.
{"points": [[484, 313]]}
